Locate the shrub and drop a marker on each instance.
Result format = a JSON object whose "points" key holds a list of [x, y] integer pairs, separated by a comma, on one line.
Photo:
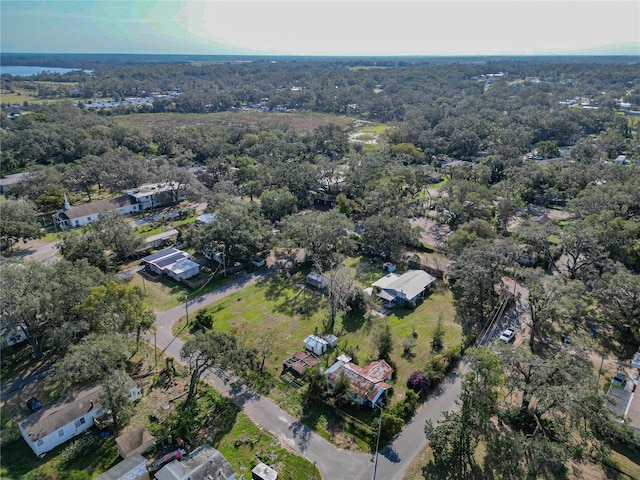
{"points": [[204, 318], [419, 381]]}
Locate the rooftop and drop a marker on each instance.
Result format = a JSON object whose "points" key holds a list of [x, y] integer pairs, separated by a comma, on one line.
{"points": [[55, 416], [99, 206], [204, 463]]}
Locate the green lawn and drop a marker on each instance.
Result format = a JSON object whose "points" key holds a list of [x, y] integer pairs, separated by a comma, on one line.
{"points": [[245, 446], [279, 305]]}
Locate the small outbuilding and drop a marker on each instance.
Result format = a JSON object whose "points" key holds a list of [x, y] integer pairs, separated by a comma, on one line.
{"points": [[133, 467], [299, 362], [316, 344], [317, 280], [332, 340], [262, 471], [136, 441]]}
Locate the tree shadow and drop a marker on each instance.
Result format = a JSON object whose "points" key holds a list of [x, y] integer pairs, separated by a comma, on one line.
{"points": [[391, 454], [304, 302], [353, 321]]}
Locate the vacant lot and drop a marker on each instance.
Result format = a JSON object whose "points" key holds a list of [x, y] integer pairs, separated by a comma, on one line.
{"points": [[147, 122], [283, 310]]}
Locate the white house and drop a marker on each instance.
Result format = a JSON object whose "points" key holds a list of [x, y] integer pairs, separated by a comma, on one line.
{"points": [[84, 214], [54, 424], [133, 467], [157, 194], [405, 289], [133, 200], [203, 463], [172, 262], [182, 269]]}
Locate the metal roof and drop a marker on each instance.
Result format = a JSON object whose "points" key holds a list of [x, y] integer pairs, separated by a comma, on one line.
{"points": [[168, 260], [160, 254]]}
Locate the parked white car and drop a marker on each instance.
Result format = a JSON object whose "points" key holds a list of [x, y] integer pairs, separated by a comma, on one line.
{"points": [[508, 335]]}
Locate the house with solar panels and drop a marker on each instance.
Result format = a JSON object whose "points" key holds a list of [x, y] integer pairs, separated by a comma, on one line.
{"points": [[173, 263]]}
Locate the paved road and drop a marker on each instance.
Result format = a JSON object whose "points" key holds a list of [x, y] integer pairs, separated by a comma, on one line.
{"points": [[334, 463]]}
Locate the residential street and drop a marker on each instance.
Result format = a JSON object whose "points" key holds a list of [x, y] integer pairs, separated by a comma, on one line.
{"points": [[334, 463]]}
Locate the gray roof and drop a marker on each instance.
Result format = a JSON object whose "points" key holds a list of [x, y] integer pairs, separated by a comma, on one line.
{"points": [[172, 232], [160, 254], [411, 283], [204, 463], [64, 411], [100, 206], [125, 466]]}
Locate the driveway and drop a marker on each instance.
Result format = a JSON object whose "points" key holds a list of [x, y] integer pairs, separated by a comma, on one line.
{"points": [[334, 463]]}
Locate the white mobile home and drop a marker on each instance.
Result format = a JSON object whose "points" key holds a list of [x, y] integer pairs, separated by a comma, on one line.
{"points": [[54, 424]]}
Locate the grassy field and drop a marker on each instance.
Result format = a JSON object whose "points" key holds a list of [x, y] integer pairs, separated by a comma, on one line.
{"points": [[279, 307]]}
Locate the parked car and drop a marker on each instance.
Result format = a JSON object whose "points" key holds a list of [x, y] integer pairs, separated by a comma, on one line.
{"points": [[619, 379], [508, 335], [33, 404]]}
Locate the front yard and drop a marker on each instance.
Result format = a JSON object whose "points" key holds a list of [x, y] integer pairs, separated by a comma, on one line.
{"points": [[214, 420]]}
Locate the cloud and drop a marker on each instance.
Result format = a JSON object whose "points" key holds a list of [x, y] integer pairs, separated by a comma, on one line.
{"points": [[454, 27]]}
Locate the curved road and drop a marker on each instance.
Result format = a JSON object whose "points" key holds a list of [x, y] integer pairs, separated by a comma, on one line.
{"points": [[334, 463]]}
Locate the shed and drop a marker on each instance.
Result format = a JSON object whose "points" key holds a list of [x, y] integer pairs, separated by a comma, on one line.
{"points": [[332, 340], [262, 471], [131, 468], [135, 441], [299, 362], [316, 280], [161, 239], [316, 344]]}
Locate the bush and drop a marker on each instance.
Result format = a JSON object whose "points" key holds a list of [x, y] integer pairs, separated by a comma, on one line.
{"points": [[357, 302], [419, 382], [204, 318], [437, 367], [79, 448], [77, 475]]}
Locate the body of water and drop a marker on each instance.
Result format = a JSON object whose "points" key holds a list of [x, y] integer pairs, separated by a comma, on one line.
{"points": [[27, 71]]}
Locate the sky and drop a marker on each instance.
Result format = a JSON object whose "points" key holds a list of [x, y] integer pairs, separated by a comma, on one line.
{"points": [[322, 27]]}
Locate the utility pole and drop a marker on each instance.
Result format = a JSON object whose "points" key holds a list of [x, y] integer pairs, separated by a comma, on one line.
{"points": [[375, 463], [186, 306]]}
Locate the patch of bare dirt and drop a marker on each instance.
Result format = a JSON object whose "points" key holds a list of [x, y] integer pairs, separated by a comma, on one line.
{"points": [[432, 233]]}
